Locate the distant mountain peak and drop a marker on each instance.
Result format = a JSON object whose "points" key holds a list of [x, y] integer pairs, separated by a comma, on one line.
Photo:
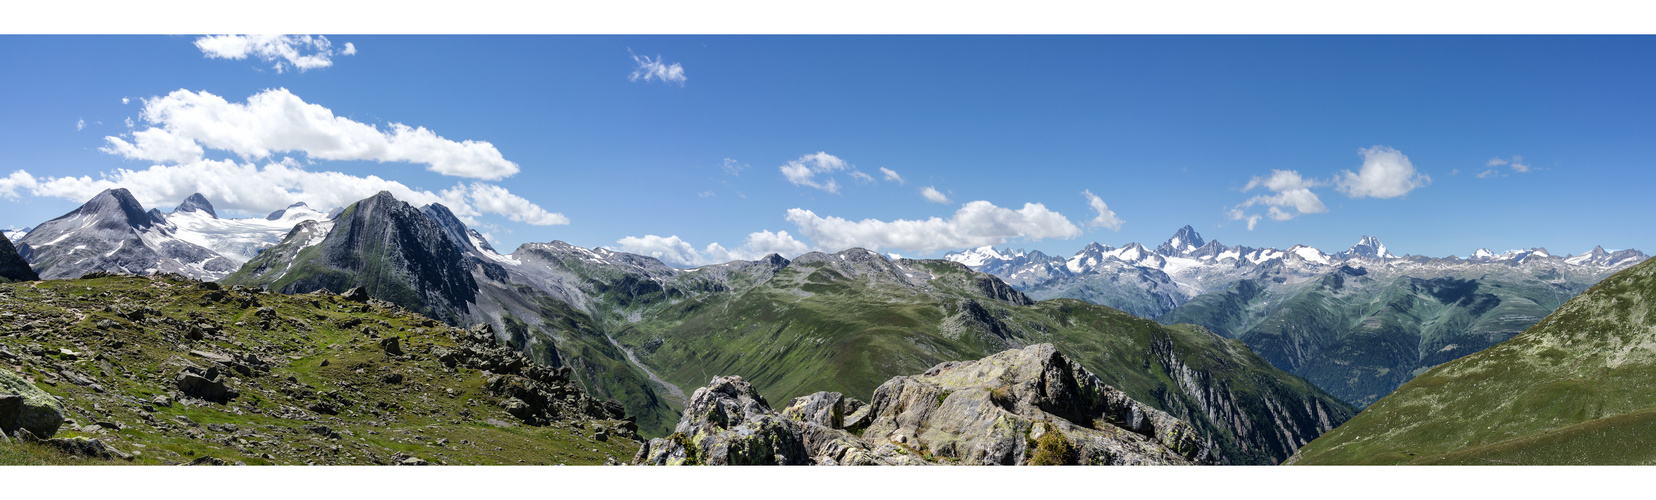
{"points": [[196, 203], [1183, 241], [1368, 247], [277, 215]]}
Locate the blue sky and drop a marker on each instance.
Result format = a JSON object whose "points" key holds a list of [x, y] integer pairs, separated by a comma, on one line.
{"points": [[1165, 130]]}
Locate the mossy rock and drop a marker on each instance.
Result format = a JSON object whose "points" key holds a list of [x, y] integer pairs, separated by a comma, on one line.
{"points": [[41, 414]]}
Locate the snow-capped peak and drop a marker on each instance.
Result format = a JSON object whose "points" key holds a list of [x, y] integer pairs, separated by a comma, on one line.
{"points": [[1368, 247], [976, 256], [1183, 242], [1483, 253]]}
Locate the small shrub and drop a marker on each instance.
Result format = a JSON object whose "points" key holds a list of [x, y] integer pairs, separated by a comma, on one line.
{"points": [[1053, 448]]}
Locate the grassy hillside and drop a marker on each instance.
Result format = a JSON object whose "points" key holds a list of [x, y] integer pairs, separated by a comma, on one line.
{"points": [[316, 382], [1576, 388]]}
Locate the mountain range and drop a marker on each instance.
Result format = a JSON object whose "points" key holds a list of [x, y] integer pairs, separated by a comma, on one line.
{"points": [[113, 233], [1233, 325], [1358, 323]]}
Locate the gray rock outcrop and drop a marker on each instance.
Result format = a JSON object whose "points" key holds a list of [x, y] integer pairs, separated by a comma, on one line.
{"points": [[1018, 407]]}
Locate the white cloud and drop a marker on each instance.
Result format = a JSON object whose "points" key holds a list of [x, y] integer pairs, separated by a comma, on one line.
{"points": [[304, 52], [891, 176], [653, 69], [80, 124], [1105, 217], [129, 123], [1489, 173], [489, 198], [1516, 163], [125, 100], [862, 177], [276, 121], [933, 195], [671, 249], [248, 188], [706, 194], [803, 172], [1385, 173], [976, 224], [1288, 188], [732, 167], [675, 251]]}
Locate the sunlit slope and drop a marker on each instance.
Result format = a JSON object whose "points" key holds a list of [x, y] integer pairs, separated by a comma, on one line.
{"points": [[1579, 387]]}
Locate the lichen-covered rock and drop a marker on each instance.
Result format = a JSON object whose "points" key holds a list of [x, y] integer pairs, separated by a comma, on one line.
{"points": [[728, 423], [36, 411], [990, 411]]}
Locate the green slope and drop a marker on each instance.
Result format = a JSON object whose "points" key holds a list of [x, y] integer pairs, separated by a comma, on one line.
{"points": [[110, 346], [825, 323], [1576, 388]]}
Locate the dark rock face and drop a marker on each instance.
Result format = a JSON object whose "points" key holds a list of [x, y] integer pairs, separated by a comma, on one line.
{"points": [[390, 249], [990, 411], [197, 203], [12, 265]]}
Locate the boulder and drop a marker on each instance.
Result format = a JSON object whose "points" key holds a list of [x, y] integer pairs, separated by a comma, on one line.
{"points": [[207, 384], [392, 346], [32, 409], [357, 294]]}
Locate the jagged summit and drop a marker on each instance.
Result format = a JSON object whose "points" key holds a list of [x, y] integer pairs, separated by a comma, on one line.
{"points": [[1368, 247], [197, 203], [1184, 241]]}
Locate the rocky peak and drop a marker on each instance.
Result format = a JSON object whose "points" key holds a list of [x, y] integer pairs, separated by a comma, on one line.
{"points": [[197, 203], [1183, 241]]}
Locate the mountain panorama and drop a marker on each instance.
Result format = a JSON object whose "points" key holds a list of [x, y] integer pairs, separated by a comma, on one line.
{"points": [[343, 329]]}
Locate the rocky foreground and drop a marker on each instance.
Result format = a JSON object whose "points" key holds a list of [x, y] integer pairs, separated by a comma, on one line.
{"points": [[1029, 406], [169, 370]]}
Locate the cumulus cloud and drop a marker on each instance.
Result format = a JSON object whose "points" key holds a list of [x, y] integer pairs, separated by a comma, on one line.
{"points": [[249, 188], [891, 176], [732, 167], [1106, 217], [276, 122], [862, 177], [80, 124], [304, 52], [976, 224], [1385, 173], [804, 171], [933, 195], [675, 251], [492, 199], [1289, 190], [653, 69]]}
